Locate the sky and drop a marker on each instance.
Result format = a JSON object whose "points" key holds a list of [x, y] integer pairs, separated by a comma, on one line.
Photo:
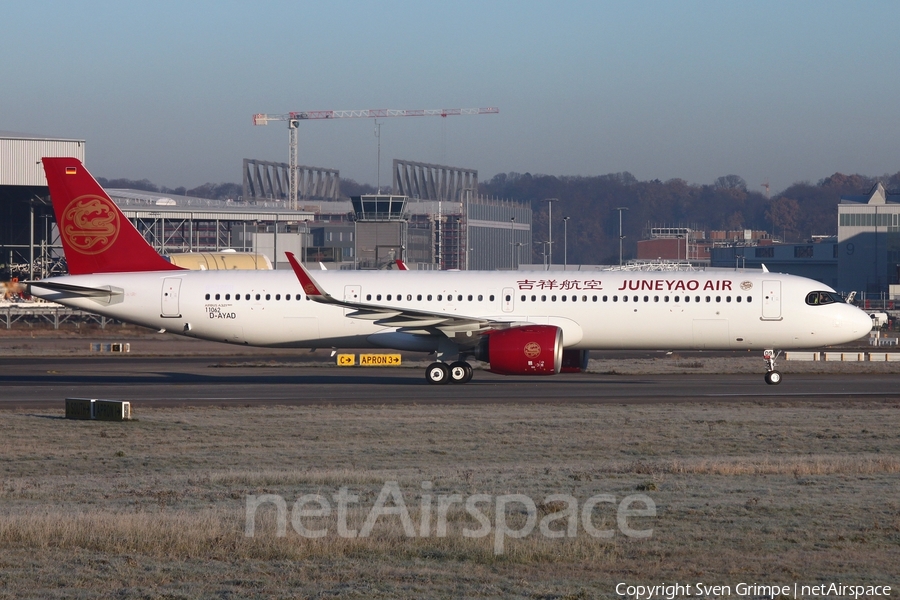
{"points": [[773, 91]]}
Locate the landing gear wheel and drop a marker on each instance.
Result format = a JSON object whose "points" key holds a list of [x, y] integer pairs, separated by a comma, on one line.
{"points": [[773, 377], [461, 372], [437, 373]]}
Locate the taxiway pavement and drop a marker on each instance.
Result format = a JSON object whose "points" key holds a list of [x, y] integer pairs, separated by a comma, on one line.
{"points": [[44, 382]]}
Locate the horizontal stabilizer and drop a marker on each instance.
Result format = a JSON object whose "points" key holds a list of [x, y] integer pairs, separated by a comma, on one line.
{"points": [[106, 294]]}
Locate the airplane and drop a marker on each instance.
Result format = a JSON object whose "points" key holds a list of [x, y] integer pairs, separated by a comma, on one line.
{"points": [[520, 323]]}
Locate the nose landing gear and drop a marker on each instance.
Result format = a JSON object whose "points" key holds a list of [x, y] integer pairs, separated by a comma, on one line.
{"points": [[773, 377]]}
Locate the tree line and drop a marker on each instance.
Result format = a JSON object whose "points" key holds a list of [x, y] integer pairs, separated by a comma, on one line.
{"points": [[802, 210]]}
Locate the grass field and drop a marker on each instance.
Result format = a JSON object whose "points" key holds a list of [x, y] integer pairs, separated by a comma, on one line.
{"points": [[156, 508]]}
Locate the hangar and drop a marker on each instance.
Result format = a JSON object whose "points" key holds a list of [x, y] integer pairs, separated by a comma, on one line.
{"points": [[25, 216]]}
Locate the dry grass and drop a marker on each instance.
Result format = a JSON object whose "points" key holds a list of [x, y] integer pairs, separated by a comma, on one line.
{"points": [[156, 507]]}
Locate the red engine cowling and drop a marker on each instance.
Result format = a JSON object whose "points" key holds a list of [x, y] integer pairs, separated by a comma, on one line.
{"points": [[527, 350]]}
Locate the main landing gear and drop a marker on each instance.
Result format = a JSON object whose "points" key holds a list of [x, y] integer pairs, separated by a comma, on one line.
{"points": [[773, 377], [458, 372]]}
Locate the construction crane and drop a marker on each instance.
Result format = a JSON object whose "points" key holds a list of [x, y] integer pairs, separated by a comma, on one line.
{"points": [[294, 118]]}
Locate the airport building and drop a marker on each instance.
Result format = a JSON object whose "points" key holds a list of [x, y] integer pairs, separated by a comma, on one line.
{"points": [[433, 219], [868, 244]]}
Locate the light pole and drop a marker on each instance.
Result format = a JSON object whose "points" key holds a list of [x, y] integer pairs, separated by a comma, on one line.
{"points": [[550, 202], [621, 237], [565, 242], [512, 238]]}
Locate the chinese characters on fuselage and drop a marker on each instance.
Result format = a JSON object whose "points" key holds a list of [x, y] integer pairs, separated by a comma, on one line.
{"points": [[653, 285]]}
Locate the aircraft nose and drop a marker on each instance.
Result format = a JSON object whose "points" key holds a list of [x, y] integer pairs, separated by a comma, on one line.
{"points": [[860, 322]]}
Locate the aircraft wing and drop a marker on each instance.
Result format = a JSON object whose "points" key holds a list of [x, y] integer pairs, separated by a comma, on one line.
{"points": [[409, 319]]}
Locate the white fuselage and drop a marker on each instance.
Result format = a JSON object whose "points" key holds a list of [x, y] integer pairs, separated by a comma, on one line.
{"points": [[595, 310]]}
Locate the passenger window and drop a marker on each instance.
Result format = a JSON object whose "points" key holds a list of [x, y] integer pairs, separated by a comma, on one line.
{"points": [[738, 298], [727, 298], [491, 298], [665, 298], [534, 298], [388, 297], [207, 296], [523, 297], [409, 297], [543, 298], [749, 298], [563, 298], [635, 298], [368, 296], [378, 297], [419, 297], [624, 298], [480, 298], [677, 298], [277, 297], [595, 298], [615, 298], [440, 297], [696, 298], [687, 298], [646, 298], [708, 298], [217, 296], [247, 297], [429, 297], [718, 298], [470, 297], [228, 296], [268, 296], [656, 298], [508, 297]]}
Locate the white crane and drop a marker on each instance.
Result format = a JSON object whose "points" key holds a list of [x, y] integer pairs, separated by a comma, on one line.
{"points": [[293, 119]]}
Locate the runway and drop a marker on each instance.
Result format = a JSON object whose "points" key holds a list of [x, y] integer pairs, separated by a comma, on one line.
{"points": [[44, 382]]}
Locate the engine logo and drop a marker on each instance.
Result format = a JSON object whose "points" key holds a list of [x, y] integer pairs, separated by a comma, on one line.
{"points": [[532, 349], [746, 285], [90, 224]]}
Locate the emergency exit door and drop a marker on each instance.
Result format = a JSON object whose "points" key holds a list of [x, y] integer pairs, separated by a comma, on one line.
{"points": [[170, 290], [771, 304]]}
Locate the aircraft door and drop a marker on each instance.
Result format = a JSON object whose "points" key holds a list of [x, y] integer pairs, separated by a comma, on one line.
{"points": [[352, 293], [771, 304], [170, 290], [508, 299]]}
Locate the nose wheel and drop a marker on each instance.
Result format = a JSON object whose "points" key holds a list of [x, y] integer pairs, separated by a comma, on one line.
{"points": [[773, 377]]}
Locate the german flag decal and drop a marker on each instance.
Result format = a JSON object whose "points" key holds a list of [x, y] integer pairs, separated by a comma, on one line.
{"points": [[71, 170]]}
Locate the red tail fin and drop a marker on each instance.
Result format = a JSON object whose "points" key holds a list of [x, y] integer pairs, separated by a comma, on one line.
{"points": [[96, 236]]}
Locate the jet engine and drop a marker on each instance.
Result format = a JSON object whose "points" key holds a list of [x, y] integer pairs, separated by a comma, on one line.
{"points": [[527, 350]]}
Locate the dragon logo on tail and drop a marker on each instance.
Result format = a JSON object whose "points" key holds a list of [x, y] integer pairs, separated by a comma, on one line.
{"points": [[90, 224]]}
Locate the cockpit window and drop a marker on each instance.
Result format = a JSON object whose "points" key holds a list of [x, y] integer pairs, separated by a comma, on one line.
{"points": [[818, 298]]}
